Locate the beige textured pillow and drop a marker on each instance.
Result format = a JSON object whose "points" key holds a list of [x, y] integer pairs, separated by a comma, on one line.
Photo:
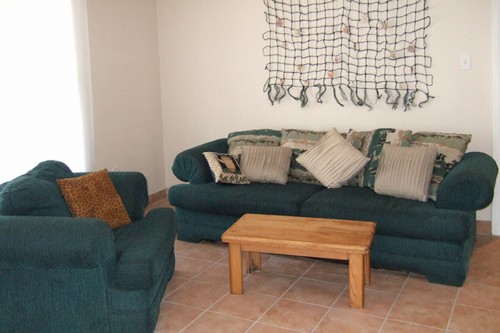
{"points": [[94, 195], [333, 161], [266, 164], [405, 172]]}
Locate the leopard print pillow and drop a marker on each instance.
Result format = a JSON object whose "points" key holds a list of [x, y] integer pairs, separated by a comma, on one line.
{"points": [[94, 195]]}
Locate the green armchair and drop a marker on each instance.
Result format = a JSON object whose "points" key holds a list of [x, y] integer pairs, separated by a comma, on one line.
{"points": [[64, 274]]}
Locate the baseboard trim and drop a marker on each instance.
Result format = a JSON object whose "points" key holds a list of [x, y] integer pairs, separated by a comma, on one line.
{"points": [[483, 227], [160, 195]]}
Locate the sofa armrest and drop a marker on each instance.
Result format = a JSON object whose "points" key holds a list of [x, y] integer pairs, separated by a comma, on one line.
{"points": [[191, 166], [470, 184], [31, 242]]}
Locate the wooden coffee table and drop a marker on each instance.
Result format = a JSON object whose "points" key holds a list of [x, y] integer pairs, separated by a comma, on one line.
{"points": [[302, 236]]}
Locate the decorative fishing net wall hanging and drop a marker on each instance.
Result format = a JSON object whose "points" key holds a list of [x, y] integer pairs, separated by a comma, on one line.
{"points": [[363, 50]]}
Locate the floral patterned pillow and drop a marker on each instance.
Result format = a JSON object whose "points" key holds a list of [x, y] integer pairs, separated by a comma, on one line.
{"points": [[370, 143], [257, 137], [451, 147], [225, 168], [300, 141]]}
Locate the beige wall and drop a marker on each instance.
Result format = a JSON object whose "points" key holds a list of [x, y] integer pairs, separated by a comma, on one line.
{"points": [[125, 79], [212, 74]]}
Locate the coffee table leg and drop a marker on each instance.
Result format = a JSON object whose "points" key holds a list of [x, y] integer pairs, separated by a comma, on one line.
{"points": [[235, 269], [367, 269], [356, 281], [253, 261]]}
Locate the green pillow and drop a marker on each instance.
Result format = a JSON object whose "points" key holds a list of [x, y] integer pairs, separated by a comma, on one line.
{"points": [[300, 141], [451, 147], [257, 137], [370, 143]]}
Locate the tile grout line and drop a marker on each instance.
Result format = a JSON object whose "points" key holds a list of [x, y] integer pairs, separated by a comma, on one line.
{"points": [[190, 280], [280, 297], [452, 310], [394, 304], [212, 264], [217, 301], [330, 308]]}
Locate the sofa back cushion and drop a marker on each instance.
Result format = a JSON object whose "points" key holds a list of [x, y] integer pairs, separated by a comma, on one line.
{"points": [[266, 164], [333, 161], [225, 168], [370, 144], [36, 193], [300, 141], [256, 137], [451, 147], [405, 172]]}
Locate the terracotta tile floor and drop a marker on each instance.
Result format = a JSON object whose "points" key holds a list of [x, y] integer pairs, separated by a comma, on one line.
{"points": [[293, 294]]}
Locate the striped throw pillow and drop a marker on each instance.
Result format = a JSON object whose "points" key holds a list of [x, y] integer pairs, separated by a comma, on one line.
{"points": [[266, 164], [405, 172], [333, 161]]}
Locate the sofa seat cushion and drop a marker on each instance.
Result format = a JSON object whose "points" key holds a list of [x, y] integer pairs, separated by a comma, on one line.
{"points": [[143, 249], [394, 216], [236, 200]]}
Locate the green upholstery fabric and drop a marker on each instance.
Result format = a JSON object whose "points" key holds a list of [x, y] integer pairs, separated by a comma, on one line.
{"points": [[431, 238], [142, 251], [49, 242], [36, 192], [191, 166], [65, 274], [236, 200], [194, 226], [51, 171], [123, 304], [133, 190], [470, 184], [440, 262], [394, 216]]}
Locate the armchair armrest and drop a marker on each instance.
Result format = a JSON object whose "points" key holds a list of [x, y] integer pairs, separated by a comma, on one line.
{"points": [[470, 184], [191, 166], [55, 242]]}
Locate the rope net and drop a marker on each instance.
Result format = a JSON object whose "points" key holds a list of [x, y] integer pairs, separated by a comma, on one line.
{"points": [[361, 49]]}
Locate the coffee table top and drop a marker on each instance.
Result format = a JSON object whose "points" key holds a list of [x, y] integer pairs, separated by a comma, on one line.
{"points": [[302, 232]]}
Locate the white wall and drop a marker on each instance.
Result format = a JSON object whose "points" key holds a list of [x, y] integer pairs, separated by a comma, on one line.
{"points": [[212, 74], [125, 73], [496, 111]]}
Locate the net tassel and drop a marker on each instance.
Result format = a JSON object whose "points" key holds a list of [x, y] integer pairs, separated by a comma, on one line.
{"points": [[303, 96], [368, 104], [396, 101], [335, 96], [321, 92]]}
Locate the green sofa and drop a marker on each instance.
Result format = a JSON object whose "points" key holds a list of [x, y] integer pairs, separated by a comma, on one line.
{"points": [[64, 274], [430, 238]]}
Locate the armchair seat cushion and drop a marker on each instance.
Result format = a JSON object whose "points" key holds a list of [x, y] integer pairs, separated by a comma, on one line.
{"points": [[143, 248]]}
